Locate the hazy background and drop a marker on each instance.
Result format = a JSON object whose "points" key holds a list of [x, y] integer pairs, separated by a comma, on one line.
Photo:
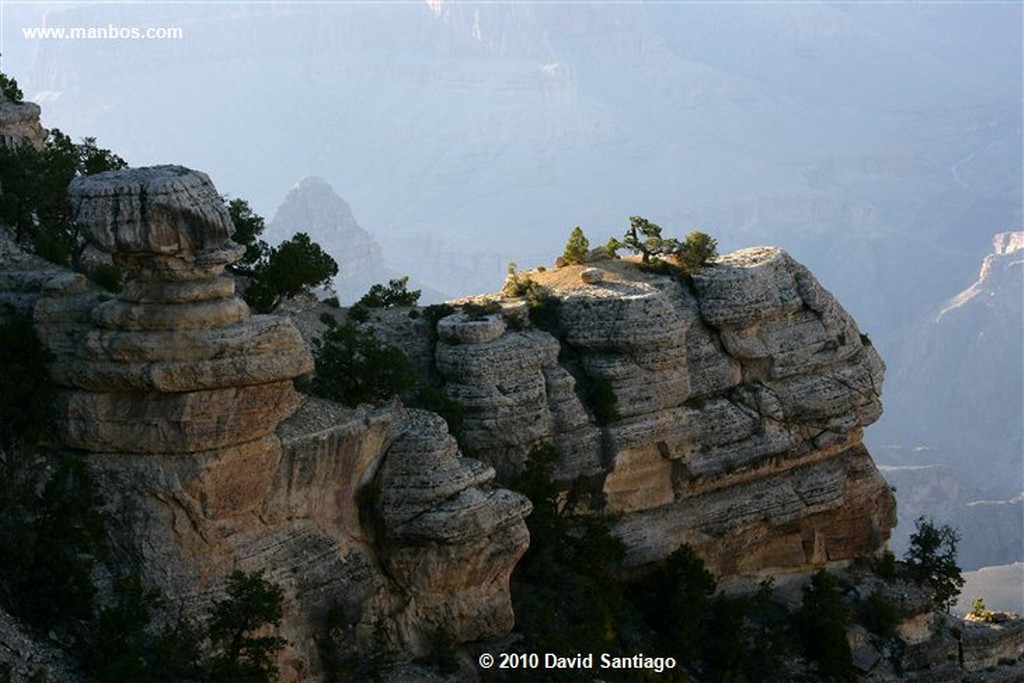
{"points": [[880, 144]]}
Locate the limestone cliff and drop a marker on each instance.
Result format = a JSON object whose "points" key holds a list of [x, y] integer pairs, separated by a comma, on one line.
{"points": [[19, 124], [741, 399], [210, 461]]}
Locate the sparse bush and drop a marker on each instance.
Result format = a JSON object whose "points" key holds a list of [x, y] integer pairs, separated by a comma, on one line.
{"points": [[600, 396], [931, 561], [435, 312], [35, 182], [293, 267], [249, 226], [884, 565], [696, 251], [108, 276], [51, 532], [475, 310], [879, 615], [435, 400], [577, 247], [514, 284], [353, 366], [396, 293], [243, 656], [565, 591], [25, 389], [123, 645], [9, 88], [822, 622], [644, 238]]}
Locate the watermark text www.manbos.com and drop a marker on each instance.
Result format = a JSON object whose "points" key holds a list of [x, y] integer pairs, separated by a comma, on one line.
{"points": [[108, 32]]}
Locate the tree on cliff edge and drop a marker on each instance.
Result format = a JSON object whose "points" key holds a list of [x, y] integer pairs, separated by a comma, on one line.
{"points": [[295, 266], [931, 560]]}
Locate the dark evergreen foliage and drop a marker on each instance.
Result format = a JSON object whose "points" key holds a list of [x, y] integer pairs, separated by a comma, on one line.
{"points": [[9, 88], [931, 561], [821, 623], [353, 366], [577, 247], [244, 653], [35, 182], [293, 267]]}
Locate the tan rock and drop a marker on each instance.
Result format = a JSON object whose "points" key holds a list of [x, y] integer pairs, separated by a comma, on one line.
{"points": [[740, 407]]}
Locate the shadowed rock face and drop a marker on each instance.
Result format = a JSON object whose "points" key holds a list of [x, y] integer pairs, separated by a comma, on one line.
{"points": [[210, 461], [741, 400]]}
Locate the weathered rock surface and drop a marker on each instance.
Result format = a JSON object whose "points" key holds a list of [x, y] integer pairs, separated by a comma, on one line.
{"points": [[209, 461], [741, 400], [176, 364], [19, 124]]}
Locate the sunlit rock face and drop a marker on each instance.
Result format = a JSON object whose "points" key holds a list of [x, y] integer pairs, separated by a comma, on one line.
{"points": [[210, 461], [176, 363], [741, 397]]}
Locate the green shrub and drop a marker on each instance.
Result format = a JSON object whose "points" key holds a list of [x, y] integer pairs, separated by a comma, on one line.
{"points": [[515, 285], [676, 601], [108, 276], [884, 566], [51, 532], [123, 644], [566, 594], [696, 251], [434, 399], [577, 247], [600, 396], [352, 366], [644, 237], [475, 310], [821, 622], [9, 88], [26, 394], [879, 615], [931, 561], [35, 182], [249, 226], [395, 294], [293, 267], [237, 630]]}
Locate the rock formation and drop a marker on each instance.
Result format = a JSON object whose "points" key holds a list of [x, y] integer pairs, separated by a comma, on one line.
{"points": [[313, 207], [724, 411], [210, 461], [19, 124], [740, 405]]}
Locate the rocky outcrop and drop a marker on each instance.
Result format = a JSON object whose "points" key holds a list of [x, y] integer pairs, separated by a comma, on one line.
{"points": [[19, 124], [312, 206], [209, 461], [175, 364], [738, 410]]}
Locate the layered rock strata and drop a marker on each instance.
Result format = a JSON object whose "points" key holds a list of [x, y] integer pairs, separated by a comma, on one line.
{"points": [[209, 461], [19, 124], [741, 399], [176, 363]]}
